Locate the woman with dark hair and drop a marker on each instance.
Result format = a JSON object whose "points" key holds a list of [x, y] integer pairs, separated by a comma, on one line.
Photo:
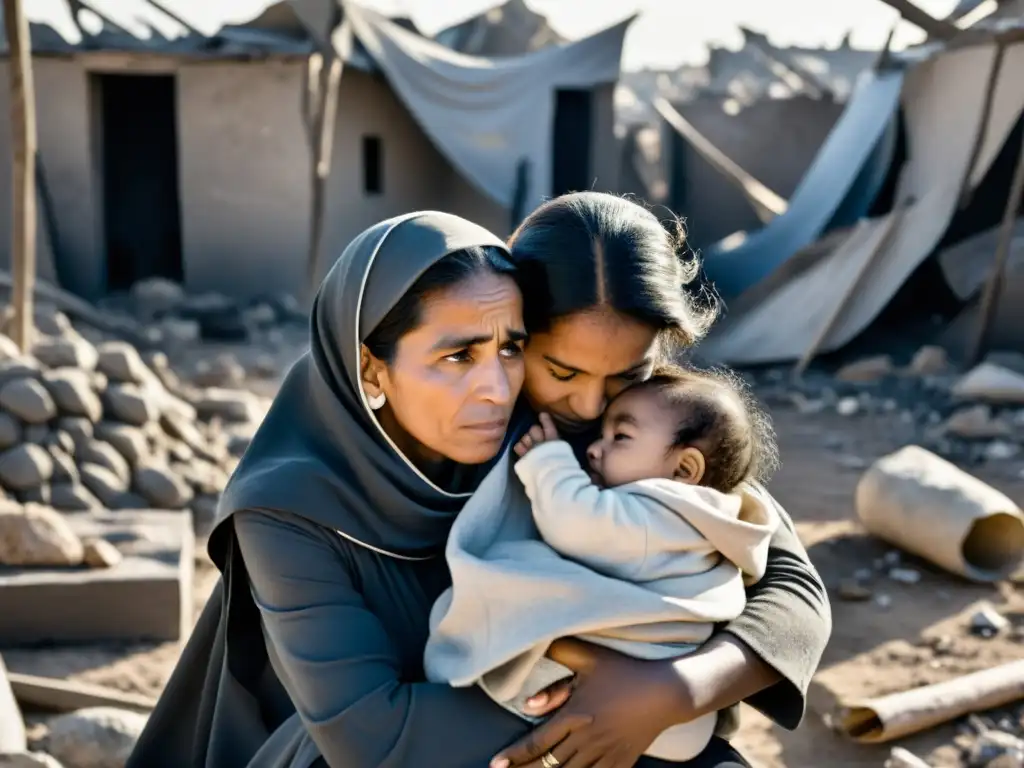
{"points": [[605, 287], [331, 533]]}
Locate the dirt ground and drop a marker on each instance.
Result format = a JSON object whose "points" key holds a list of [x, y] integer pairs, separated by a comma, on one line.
{"points": [[874, 649]]}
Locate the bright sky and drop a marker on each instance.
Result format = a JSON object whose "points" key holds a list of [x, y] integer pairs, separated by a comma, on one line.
{"points": [[670, 32], [667, 32]]}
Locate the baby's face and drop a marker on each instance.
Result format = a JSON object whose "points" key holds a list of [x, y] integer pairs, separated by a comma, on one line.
{"points": [[636, 441]]}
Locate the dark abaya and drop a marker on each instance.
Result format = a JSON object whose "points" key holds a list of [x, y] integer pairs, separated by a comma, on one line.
{"points": [[330, 543]]}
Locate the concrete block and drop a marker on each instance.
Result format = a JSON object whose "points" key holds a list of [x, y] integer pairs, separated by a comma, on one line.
{"points": [[146, 597]]}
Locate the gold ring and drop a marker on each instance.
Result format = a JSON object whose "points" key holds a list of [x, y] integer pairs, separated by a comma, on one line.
{"points": [[548, 760]]}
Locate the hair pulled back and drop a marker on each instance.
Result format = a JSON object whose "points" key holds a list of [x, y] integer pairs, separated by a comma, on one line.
{"points": [[585, 251]]}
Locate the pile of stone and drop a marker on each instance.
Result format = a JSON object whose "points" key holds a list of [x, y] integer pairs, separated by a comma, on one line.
{"points": [[970, 418], [171, 316], [85, 426]]}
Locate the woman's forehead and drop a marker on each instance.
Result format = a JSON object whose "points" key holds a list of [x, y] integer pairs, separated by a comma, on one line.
{"points": [[604, 343]]}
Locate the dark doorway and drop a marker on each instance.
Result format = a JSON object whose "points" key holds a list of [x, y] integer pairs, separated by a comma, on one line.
{"points": [[570, 166], [141, 210]]}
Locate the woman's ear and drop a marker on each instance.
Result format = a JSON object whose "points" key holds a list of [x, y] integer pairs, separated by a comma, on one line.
{"points": [[371, 370], [690, 466]]}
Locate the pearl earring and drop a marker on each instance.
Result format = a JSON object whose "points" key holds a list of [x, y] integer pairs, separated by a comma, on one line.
{"points": [[376, 402]]}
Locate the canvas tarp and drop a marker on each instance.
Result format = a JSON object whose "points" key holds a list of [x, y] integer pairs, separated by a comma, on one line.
{"points": [[943, 104], [843, 179], [488, 115]]}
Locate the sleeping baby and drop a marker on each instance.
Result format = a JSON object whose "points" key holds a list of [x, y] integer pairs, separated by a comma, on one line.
{"points": [[662, 507]]}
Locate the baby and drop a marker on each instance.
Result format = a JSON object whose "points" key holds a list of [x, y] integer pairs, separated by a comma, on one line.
{"points": [[651, 544]]}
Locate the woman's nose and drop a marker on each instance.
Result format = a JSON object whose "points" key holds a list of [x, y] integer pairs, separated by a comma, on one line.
{"points": [[494, 384], [590, 405]]}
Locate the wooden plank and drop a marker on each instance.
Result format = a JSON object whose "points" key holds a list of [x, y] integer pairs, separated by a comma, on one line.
{"points": [[766, 203], [23, 146]]}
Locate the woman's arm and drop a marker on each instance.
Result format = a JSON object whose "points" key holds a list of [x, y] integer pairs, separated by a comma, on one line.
{"points": [[340, 668], [769, 654]]}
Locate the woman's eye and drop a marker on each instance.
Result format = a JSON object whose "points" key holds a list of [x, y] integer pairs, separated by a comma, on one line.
{"points": [[563, 376], [619, 437], [511, 350], [462, 356]]}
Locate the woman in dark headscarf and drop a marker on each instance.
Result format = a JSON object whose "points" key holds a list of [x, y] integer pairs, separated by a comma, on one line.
{"points": [[332, 532]]}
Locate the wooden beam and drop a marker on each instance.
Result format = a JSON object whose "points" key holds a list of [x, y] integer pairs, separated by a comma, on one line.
{"points": [[320, 110], [23, 146], [766, 203], [994, 284], [933, 27], [821, 338], [52, 695]]}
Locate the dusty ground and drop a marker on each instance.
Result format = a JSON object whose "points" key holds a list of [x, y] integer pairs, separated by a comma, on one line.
{"points": [[874, 650]]}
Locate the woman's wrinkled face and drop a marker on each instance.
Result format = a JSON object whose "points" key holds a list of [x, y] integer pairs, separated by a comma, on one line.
{"points": [[583, 361], [453, 383]]}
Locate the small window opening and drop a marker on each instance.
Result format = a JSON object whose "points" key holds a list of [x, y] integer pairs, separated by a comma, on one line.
{"points": [[373, 165]]}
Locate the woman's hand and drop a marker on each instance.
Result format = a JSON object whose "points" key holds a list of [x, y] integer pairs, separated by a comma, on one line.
{"points": [[618, 707]]}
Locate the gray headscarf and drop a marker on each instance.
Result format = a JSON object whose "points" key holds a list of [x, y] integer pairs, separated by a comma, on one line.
{"points": [[320, 452]]}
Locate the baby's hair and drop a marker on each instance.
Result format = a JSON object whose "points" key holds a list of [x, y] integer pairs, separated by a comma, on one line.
{"points": [[738, 442]]}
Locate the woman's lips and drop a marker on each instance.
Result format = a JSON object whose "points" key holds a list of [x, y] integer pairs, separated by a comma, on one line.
{"points": [[489, 429]]}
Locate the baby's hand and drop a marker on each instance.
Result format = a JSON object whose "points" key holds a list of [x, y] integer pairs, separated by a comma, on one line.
{"points": [[544, 432]]}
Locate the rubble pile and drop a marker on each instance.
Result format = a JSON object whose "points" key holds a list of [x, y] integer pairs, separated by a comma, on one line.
{"points": [[967, 418], [170, 316], [86, 426]]}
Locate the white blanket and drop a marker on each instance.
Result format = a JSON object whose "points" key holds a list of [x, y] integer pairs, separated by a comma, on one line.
{"points": [[647, 569]]}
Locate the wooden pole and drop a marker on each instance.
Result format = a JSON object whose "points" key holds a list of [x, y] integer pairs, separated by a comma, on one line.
{"points": [[994, 284], [322, 137], [933, 27], [23, 144]]}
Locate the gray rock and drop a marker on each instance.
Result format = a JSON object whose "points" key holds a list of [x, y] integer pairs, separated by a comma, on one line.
{"points": [[8, 349], [66, 352], [121, 362], [204, 512], [100, 553], [130, 500], [19, 368], [129, 441], [129, 403], [992, 746], [51, 321], [929, 360], [73, 497], [988, 622], [72, 390], [38, 495], [104, 484], [204, 476], [37, 434], [161, 487], [228, 405], [37, 536], [25, 466], [156, 296], [104, 455], [28, 400], [976, 423], [79, 428], [96, 737], [867, 370], [64, 468], [10, 431]]}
